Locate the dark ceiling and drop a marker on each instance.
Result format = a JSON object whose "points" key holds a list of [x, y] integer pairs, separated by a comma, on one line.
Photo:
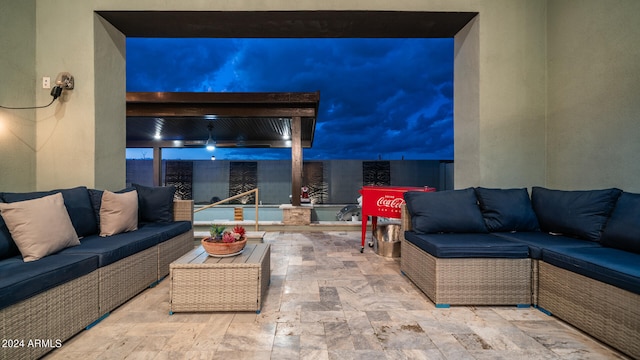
{"points": [[266, 129], [288, 24]]}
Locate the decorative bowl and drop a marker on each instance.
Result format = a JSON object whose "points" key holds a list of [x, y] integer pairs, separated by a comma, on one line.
{"points": [[222, 248]]}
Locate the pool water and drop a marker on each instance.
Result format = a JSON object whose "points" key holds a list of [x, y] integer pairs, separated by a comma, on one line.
{"points": [[265, 213]]}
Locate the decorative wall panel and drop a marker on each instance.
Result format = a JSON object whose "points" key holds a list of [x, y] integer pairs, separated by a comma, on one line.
{"points": [[180, 175], [243, 176], [376, 173], [312, 178]]}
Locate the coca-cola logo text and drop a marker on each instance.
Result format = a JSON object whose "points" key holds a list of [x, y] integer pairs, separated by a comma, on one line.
{"points": [[389, 201]]}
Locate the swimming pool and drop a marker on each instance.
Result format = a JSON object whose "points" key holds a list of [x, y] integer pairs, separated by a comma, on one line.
{"points": [[265, 212]]}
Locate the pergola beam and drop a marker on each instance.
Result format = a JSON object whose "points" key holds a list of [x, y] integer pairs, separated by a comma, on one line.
{"points": [[195, 110]]}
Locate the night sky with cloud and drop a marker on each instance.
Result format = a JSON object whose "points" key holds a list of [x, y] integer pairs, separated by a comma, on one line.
{"points": [[379, 98]]}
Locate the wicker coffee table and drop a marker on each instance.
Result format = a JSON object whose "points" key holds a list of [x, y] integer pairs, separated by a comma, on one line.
{"points": [[200, 282]]}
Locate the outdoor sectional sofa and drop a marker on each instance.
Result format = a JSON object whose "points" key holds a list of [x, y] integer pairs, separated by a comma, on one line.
{"points": [[118, 245], [572, 254]]}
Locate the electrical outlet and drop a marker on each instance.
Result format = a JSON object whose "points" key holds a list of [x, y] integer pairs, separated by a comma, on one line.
{"points": [[46, 82]]}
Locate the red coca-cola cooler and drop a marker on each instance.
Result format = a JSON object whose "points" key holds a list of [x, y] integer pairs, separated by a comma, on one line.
{"points": [[383, 201]]}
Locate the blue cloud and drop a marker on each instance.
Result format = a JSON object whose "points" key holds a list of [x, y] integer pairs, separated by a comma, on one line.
{"points": [[378, 97]]}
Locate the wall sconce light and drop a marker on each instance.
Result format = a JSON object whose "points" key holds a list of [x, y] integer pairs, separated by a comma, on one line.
{"points": [[64, 81]]}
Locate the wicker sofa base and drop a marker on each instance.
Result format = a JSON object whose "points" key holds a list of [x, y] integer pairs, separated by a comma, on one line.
{"points": [[51, 317], [127, 277], [603, 311], [124, 279], [468, 281], [171, 250]]}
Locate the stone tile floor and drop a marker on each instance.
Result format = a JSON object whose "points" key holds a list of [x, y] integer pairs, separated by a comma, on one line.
{"points": [[328, 301]]}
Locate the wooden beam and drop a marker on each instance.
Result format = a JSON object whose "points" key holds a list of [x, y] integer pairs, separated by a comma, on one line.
{"points": [[219, 98], [198, 110], [296, 160], [157, 166]]}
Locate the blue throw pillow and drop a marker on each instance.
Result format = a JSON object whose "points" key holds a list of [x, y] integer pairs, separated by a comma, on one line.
{"points": [[507, 210], [623, 228], [451, 211], [155, 204], [578, 213], [95, 196], [8, 247], [76, 201]]}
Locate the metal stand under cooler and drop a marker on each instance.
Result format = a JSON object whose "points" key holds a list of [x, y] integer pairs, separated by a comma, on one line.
{"points": [[386, 239]]}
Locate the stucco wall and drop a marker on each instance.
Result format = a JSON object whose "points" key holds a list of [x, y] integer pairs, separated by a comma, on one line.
{"points": [[65, 133], [593, 126], [500, 89], [17, 89], [512, 95], [110, 108]]}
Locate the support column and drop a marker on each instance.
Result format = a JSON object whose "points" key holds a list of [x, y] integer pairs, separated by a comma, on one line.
{"points": [[296, 159], [157, 166]]}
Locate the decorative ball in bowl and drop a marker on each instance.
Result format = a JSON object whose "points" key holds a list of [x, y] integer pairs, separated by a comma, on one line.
{"points": [[225, 242]]}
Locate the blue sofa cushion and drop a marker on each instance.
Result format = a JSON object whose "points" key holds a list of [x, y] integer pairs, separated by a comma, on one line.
{"points": [[168, 230], [536, 241], [507, 209], [623, 228], [116, 247], [77, 202], [95, 196], [155, 204], [8, 247], [582, 214], [611, 266], [21, 280], [451, 211], [467, 246]]}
